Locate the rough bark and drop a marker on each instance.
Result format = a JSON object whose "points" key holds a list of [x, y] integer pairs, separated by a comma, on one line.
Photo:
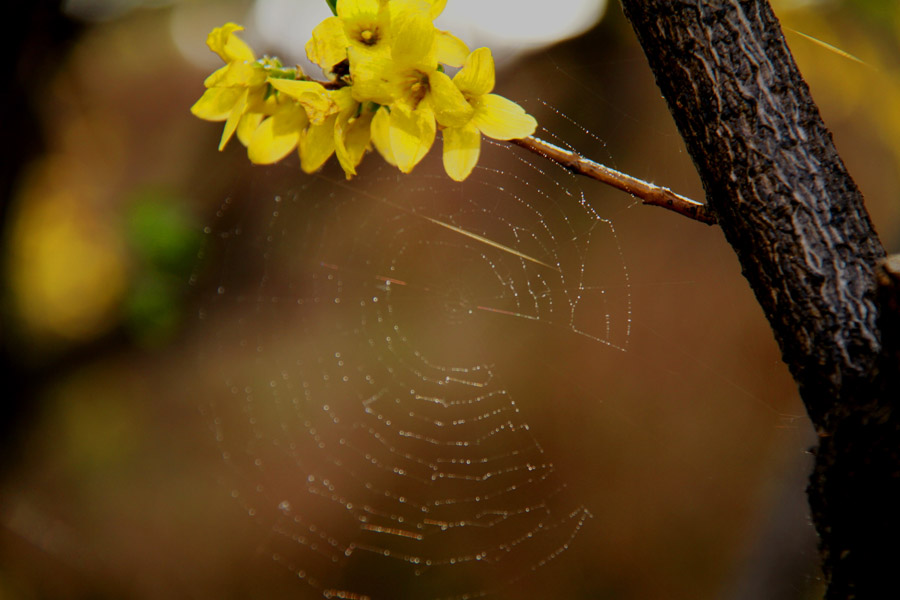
{"points": [[796, 220]]}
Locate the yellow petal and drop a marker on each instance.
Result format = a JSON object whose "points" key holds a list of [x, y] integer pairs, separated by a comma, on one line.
{"points": [[216, 76], [502, 119], [297, 89], [237, 74], [411, 133], [317, 145], [437, 7], [257, 101], [412, 32], [373, 78], [450, 50], [343, 100], [462, 146], [228, 46], [277, 136], [216, 103], [476, 78], [247, 127], [351, 139], [328, 45], [233, 118], [381, 135], [352, 9], [311, 95], [450, 107]]}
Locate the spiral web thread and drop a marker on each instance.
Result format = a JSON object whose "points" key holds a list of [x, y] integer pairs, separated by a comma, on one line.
{"points": [[356, 328]]}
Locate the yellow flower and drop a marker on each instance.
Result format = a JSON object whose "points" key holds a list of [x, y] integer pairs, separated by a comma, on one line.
{"points": [[381, 134], [235, 89], [360, 24], [352, 134], [319, 141], [228, 46], [344, 132], [407, 135], [393, 92], [492, 115], [450, 50], [366, 26], [317, 122], [301, 106], [311, 95], [278, 135], [409, 82], [436, 7], [410, 120]]}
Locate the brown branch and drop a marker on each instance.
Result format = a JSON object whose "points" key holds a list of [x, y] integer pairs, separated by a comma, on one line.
{"points": [[647, 192], [887, 278], [797, 221]]}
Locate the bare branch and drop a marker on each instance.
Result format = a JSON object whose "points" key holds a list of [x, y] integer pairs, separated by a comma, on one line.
{"points": [[647, 192]]}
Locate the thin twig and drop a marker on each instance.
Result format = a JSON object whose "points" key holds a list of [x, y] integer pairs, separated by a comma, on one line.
{"points": [[647, 192]]}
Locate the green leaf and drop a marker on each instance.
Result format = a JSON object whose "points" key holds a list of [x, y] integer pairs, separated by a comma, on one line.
{"points": [[154, 309], [161, 232], [164, 241], [332, 4]]}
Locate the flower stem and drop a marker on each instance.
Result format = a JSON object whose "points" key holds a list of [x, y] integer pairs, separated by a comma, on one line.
{"points": [[647, 192]]}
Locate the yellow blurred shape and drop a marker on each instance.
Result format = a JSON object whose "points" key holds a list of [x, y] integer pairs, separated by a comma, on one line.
{"points": [[863, 98], [95, 425], [67, 270], [842, 84], [13, 587]]}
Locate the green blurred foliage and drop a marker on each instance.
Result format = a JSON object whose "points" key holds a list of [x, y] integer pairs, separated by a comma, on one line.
{"points": [[165, 239], [161, 231], [881, 14]]}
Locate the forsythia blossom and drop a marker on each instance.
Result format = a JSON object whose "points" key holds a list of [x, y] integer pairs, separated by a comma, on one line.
{"points": [[387, 89]]}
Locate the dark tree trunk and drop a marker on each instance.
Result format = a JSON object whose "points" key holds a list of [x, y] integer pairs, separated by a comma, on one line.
{"points": [[797, 222]]}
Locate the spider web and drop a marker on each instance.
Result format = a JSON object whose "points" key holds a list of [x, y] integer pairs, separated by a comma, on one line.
{"points": [[357, 328]]}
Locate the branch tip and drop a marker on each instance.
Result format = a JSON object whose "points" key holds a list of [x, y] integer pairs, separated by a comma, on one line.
{"points": [[648, 193]]}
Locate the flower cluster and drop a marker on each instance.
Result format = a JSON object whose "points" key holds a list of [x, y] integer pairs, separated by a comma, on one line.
{"points": [[387, 88]]}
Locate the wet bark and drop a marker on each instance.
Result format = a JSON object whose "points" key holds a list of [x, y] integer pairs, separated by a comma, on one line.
{"points": [[797, 221]]}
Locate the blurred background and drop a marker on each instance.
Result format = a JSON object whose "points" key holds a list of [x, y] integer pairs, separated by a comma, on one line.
{"points": [[143, 307]]}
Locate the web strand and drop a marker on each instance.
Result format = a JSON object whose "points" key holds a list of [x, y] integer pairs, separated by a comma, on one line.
{"points": [[362, 419]]}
